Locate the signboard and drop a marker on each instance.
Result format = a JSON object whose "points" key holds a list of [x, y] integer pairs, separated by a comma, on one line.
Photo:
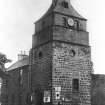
{"points": [[57, 92], [47, 96], [58, 89], [57, 95]]}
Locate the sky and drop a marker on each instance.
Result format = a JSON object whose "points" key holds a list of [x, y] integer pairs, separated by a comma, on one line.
{"points": [[17, 19]]}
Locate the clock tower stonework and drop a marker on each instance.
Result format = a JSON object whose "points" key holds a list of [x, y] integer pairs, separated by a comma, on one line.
{"points": [[60, 58]]}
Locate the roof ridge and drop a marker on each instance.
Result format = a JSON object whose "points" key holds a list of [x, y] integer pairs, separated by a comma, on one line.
{"points": [[19, 63]]}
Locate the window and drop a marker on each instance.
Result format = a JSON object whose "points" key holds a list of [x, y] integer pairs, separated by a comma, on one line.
{"points": [[72, 53], [65, 4], [75, 85], [64, 21], [40, 54]]}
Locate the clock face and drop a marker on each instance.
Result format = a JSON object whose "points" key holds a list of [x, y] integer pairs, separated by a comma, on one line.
{"points": [[70, 22]]}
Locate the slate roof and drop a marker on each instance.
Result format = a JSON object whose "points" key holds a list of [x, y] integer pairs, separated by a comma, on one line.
{"points": [[20, 63], [57, 8]]}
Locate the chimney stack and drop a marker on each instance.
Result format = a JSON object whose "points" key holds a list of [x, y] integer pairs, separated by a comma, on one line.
{"points": [[22, 55]]}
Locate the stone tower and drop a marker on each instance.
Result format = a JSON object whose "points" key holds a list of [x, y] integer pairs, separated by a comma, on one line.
{"points": [[60, 58]]}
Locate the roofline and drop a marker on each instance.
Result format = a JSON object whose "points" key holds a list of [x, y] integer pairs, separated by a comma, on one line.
{"points": [[60, 14], [17, 68]]}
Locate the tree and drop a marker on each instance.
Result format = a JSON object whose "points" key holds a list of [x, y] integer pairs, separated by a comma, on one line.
{"points": [[3, 61]]}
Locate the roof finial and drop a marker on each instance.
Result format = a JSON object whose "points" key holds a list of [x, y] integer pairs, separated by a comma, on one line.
{"points": [[54, 2]]}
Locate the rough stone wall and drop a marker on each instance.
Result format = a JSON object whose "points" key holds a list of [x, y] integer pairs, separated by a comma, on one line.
{"points": [[71, 61], [10, 87], [70, 35], [3, 92], [14, 93], [43, 23], [39, 38], [41, 70]]}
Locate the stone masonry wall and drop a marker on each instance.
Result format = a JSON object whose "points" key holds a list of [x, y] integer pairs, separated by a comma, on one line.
{"points": [[71, 62], [41, 71], [14, 93]]}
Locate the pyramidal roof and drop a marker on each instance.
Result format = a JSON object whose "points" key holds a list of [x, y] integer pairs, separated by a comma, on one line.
{"points": [[58, 6]]}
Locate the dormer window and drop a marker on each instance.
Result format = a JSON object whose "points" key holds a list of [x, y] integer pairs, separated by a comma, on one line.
{"points": [[65, 4]]}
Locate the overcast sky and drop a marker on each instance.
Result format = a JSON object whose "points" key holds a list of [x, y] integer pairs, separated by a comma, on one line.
{"points": [[17, 19]]}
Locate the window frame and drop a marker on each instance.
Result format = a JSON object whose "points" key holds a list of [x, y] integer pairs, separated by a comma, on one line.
{"points": [[65, 4], [75, 85]]}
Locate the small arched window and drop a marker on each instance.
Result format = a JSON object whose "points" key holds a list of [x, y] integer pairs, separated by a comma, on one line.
{"points": [[65, 4], [40, 54]]}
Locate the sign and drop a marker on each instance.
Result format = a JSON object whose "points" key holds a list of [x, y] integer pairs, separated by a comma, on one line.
{"points": [[57, 95], [58, 89], [47, 96]]}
